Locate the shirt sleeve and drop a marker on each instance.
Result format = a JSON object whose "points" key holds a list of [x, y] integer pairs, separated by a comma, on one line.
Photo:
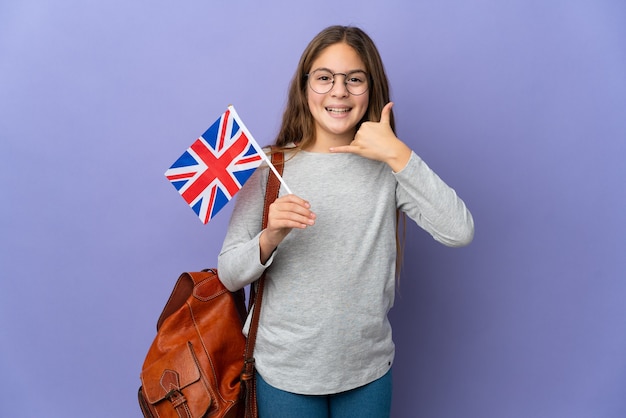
{"points": [[432, 204], [239, 262]]}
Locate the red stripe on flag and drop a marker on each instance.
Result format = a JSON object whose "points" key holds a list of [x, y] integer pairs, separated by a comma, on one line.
{"points": [[249, 159], [225, 120], [180, 176], [207, 218]]}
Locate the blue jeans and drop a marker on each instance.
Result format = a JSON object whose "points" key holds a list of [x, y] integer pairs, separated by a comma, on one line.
{"points": [[370, 401]]}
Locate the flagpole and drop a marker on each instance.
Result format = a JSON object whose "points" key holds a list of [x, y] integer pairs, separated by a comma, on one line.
{"points": [[258, 148]]}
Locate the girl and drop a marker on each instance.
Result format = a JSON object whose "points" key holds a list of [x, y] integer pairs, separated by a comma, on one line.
{"points": [[324, 345]]}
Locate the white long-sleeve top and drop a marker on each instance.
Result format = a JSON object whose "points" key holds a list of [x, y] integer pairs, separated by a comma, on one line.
{"points": [[323, 326]]}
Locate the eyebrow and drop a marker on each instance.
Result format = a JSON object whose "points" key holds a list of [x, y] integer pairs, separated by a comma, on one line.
{"points": [[331, 71]]}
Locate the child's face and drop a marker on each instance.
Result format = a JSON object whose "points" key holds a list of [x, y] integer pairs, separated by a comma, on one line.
{"points": [[337, 112]]}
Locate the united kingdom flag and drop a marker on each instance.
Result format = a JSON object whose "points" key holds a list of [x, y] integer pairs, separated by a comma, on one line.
{"points": [[215, 167]]}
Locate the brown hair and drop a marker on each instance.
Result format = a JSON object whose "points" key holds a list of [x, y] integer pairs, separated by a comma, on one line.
{"points": [[297, 125]]}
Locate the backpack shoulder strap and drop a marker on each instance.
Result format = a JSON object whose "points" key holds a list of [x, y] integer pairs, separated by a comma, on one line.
{"points": [[256, 297]]}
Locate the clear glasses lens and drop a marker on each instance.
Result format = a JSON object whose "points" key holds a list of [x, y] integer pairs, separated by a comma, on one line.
{"points": [[321, 81]]}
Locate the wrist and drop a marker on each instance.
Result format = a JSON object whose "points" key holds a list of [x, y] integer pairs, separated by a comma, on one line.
{"points": [[266, 247], [399, 156]]}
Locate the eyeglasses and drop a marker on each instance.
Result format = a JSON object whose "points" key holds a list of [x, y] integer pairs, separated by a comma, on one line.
{"points": [[322, 81]]}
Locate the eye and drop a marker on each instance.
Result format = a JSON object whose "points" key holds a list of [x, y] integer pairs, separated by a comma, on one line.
{"points": [[324, 77], [356, 78]]}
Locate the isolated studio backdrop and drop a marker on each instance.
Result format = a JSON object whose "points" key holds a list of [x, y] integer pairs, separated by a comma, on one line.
{"points": [[519, 105]]}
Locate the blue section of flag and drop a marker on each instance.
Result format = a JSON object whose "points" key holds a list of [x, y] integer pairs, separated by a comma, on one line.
{"points": [[184, 160], [211, 134], [220, 201], [243, 175]]}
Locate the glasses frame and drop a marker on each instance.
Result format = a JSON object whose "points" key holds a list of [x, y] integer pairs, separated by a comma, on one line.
{"points": [[345, 80]]}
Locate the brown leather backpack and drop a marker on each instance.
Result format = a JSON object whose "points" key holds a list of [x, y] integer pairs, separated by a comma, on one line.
{"points": [[200, 364], [194, 365]]}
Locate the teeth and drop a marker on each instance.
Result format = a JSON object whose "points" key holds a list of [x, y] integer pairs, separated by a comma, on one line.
{"points": [[330, 109]]}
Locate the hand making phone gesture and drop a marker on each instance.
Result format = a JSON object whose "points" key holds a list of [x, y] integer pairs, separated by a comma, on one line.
{"points": [[377, 141]]}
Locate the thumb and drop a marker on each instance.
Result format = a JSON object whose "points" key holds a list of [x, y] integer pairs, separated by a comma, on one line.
{"points": [[385, 115]]}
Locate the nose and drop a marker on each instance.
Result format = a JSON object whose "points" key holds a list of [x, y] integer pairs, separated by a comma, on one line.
{"points": [[339, 88]]}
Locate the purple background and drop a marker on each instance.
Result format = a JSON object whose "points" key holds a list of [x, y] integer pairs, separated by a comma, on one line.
{"points": [[519, 105]]}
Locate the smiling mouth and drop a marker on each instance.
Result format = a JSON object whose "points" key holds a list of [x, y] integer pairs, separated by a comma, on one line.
{"points": [[338, 110]]}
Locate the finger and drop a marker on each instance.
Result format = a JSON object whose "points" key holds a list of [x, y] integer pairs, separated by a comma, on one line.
{"points": [[292, 209], [292, 198], [289, 220], [287, 211], [343, 148], [289, 223], [385, 115]]}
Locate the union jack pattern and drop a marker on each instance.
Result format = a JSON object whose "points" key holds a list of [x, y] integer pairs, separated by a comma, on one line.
{"points": [[215, 167]]}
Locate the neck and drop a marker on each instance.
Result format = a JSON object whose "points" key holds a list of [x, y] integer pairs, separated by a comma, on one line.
{"points": [[322, 143]]}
